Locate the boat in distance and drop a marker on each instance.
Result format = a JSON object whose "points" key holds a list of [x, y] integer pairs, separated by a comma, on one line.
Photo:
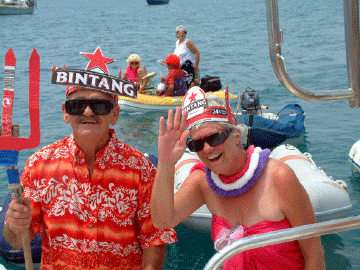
{"points": [[157, 2], [17, 7]]}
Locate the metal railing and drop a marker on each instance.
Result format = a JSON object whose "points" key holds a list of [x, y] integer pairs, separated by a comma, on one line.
{"points": [[281, 236], [351, 21]]}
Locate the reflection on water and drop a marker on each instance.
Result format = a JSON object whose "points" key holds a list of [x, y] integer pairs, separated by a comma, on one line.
{"points": [[140, 130], [334, 259], [192, 251]]}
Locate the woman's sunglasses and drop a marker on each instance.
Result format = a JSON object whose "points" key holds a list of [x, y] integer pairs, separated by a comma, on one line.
{"points": [[134, 63], [98, 106], [213, 140]]}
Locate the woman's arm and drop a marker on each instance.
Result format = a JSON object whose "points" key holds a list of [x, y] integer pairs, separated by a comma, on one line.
{"points": [[297, 208], [167, 212], [191, 46], [125, 76]]}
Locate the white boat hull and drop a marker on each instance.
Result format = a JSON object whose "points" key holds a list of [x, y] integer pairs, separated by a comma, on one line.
{"points": [[9, 10], [354, 156], [328, 197]]}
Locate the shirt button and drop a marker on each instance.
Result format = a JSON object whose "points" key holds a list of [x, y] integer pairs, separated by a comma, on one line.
{"points": [[86, 175], [91, 225]]}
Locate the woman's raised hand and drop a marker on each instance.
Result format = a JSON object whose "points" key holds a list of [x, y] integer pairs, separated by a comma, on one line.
{"points": [[172, 137]]}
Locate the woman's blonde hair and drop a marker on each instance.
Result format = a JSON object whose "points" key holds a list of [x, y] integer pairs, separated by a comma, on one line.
{"points": [[133, 58]]}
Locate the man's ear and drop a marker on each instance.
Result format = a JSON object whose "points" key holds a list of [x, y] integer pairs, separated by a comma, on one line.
{"points": [[115, 115], [65, 114]]}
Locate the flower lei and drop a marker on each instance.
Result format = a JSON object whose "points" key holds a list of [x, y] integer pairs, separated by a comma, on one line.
{"points": [[241, 182]]}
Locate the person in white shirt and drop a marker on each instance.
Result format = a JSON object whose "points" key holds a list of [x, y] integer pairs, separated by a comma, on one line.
{"points": [[189, 56]]}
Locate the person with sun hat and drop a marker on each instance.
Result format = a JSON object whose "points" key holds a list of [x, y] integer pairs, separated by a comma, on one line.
{"points": [[88, 194], [247, 192], [175, 80]]}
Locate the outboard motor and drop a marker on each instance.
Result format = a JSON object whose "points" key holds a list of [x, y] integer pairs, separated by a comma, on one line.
{"points": [[250, 102]]}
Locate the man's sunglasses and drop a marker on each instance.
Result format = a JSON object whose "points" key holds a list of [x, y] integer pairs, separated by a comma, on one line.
{"points": [[213, 140], [98, 106]]}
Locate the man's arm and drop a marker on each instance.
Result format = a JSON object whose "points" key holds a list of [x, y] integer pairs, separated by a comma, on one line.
{"points": [[170, 89], [18, 220], [154, 257]]}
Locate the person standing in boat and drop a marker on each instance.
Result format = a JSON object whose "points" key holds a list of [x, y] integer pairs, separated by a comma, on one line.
{"points": [[175, 80], [88, 194], [189, 56], [247, 192], [131, 72]]}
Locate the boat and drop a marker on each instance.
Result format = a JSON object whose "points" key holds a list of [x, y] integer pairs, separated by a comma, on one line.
{"points": [[16, 256], [157, 2], [328, 197], [156, 103], [268, 130], [354, 156], [17, 7]]}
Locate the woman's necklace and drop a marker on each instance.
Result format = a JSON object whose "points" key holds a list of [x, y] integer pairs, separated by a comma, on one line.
{"points": [[242, 181]]}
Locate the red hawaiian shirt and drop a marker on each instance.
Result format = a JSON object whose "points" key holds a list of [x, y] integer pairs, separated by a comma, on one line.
{"points": [[98, 223]]}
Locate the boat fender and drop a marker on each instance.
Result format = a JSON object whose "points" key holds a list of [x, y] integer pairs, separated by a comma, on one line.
{"points": [[342, 183]]}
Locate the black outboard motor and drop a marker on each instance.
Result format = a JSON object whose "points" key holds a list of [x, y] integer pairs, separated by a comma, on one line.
{"points": [[250, 102]]}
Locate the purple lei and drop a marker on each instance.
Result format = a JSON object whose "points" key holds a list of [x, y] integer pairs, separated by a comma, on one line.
{"points": [[236, 192]]}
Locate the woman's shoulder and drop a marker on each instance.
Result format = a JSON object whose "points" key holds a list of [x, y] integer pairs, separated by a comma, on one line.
{"points": [[282, 177]]}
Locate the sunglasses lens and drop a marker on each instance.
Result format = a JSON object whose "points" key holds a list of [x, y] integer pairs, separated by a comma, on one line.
{"points": [[213, 140], [216, 139], [196, 145], [102, 107], [98, 106], [75, 106]]}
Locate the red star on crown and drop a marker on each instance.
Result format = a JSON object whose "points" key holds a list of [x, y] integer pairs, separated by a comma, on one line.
{"points": [[192, 97], [97, 60]]}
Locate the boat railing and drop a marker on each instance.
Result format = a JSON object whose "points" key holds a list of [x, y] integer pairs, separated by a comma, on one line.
{"points": [[351, 24], [281, 236]]}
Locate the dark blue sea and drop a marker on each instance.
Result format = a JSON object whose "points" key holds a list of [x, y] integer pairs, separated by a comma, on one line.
{"points": [[232, 38]]}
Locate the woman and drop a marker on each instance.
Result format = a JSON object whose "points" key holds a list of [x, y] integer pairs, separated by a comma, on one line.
{"points": [[247, 192], [189, 56], [131, 72]]}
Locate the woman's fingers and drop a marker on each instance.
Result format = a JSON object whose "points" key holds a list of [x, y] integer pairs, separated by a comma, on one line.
{"points": [[177, 120], [170, 121], [162, 126]]}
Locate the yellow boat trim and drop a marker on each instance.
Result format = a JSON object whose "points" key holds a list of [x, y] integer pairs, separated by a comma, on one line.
{"points": [[177, 101]]}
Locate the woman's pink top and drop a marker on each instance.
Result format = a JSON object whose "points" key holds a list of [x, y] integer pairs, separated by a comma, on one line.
{"points": [[280, 256], [132, 74]]}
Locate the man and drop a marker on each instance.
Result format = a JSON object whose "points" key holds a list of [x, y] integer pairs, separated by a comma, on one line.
{"points": [[175, 80], [88, 194]]}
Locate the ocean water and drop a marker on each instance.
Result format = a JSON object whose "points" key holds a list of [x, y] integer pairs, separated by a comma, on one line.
{"points": [[232, 38]]}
